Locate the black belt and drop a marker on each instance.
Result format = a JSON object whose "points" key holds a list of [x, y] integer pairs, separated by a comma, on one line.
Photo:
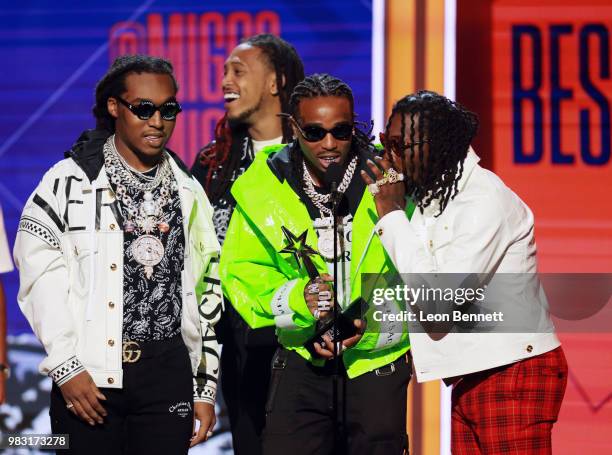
{"points": [[133, 351]]}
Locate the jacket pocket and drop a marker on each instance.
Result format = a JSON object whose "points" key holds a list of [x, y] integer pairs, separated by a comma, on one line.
{"points": [[77, 247], [279, 363], [440, 236]]}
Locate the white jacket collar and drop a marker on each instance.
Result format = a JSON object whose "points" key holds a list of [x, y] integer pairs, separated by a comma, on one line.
{"points": [[469, 164]]}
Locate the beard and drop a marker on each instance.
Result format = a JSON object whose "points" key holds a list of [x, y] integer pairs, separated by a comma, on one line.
{"points": [[244, 116]]}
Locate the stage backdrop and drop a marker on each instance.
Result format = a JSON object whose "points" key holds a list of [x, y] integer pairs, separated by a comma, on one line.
{"points": [[52, 54], [550, 104]]}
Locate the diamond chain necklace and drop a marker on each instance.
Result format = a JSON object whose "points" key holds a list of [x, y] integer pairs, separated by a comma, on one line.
{"points": [[146, 216], [318, 199]]}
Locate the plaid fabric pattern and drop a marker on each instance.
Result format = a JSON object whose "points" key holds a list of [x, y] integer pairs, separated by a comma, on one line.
{"points": [[510, 409]]}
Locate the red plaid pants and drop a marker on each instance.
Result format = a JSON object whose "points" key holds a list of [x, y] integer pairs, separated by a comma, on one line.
{"points": [[510, 409]]}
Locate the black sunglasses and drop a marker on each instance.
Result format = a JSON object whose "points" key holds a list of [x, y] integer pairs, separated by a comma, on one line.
{"points": [[146, 109], [315, 133]]}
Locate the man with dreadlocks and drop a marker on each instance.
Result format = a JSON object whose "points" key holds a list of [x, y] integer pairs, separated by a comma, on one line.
{"points": [[508, 387], [259, 76], [118, 261], [284, 190]]}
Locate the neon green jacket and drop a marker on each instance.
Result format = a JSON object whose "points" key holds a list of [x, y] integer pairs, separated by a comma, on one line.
{"points": [[267, 288]]}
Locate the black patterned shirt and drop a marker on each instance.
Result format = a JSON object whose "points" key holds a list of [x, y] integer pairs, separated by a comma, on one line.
{"points": [[152, 307]]}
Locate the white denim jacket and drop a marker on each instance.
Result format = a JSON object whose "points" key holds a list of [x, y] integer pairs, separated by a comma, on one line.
{"points": [[486, 229], [69, 251]]}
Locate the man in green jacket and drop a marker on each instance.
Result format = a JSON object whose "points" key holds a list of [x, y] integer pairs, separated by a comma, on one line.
{"points": [[284, 188]]}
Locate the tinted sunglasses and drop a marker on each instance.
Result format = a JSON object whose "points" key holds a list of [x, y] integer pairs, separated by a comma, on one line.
{"points": [[398, 146], [146, 109], [315, 133]]}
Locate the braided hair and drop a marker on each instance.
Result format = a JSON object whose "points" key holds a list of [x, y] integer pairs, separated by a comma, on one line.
{"points": [[323, 85], [448, 128], [286, 63], [112, 83]]}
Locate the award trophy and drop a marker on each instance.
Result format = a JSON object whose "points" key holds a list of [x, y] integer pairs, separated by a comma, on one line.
{"points": [[338, 327]]}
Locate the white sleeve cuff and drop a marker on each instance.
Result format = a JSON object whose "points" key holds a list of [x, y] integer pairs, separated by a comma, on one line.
{"points": [[207, 393], [283, 314], [392, 222], [67, 370]]}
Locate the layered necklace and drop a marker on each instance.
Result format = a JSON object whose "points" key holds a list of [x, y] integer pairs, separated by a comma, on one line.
{"points": [[145, 216], [324, 225]]}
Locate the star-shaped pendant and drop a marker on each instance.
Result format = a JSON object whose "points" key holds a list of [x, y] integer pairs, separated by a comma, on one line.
{"points": [[147, 224], [297, 245]]}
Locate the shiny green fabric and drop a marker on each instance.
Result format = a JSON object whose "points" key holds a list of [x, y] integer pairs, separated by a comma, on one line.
{"points": [[252, 269]]}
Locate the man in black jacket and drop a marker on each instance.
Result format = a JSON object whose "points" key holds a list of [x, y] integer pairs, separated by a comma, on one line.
{"points": [[259, 76]]}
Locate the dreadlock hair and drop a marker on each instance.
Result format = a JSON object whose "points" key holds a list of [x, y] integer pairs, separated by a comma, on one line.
{"points": [[112, 83], [323, 85], [448, 128], [286, 63]]}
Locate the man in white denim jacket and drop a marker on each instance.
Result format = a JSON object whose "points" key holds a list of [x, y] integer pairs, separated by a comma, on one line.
{"points": [[508, 387], [128, 375]]}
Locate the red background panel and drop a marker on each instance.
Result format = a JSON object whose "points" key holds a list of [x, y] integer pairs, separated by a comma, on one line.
{"points": [[571, 202]]}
